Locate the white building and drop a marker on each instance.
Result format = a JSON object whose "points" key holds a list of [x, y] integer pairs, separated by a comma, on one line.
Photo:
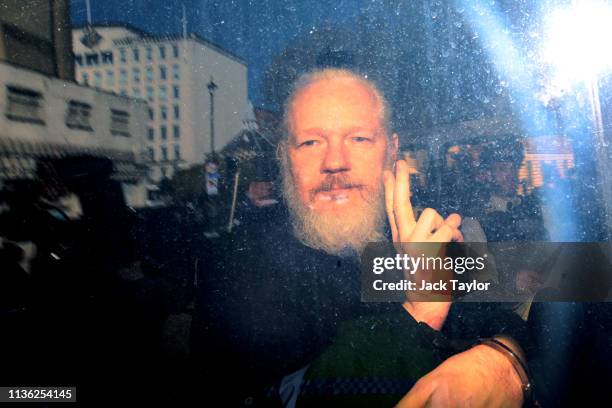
{"points": [[72, 139], [172, 74], [47, 119]]}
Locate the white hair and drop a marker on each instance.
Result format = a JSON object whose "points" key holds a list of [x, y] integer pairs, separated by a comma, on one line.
{"points": [[328, 74]]}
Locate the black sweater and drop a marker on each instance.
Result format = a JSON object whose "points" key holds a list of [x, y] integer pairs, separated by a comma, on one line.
{"points": [[268, 305]]}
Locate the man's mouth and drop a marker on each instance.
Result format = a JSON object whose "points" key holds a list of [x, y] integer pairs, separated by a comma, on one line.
{"points": [[337, 195], [336, 189]]}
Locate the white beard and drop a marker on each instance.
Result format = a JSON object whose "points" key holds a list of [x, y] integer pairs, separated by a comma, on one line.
{"points": [[345, 233]]}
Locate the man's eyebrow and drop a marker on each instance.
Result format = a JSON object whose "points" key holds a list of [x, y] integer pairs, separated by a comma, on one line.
{"points": [[354, 129], [322, 132], [315, 131]]}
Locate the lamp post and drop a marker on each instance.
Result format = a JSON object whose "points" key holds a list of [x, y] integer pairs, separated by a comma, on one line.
{"points": [[580, 54], [212, 87]]}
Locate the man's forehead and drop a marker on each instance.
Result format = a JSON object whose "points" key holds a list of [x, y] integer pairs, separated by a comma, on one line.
{"points": [[334, 104]]}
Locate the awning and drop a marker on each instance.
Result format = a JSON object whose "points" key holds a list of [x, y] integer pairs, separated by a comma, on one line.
{"points": [[18, 159]]}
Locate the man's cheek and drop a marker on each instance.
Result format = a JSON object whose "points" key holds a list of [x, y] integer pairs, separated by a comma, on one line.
{"points": [[304, 185], [307, 178]]}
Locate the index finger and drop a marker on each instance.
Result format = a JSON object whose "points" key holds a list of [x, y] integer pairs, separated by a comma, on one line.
{"points": [[389, 184], [402, 207]]}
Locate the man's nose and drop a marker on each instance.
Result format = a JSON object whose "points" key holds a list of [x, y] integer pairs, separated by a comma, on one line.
{"points": [[336, 158]]}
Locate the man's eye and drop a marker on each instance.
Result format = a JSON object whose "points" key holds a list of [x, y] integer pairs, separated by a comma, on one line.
{"points": [[361, 139], [308, 143]]}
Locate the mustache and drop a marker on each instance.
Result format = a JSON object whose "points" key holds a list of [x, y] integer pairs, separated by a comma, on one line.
{"points": [[336, 181]]}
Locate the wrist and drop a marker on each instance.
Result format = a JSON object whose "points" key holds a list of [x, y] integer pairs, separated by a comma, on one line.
{"points": [[513, 345], [502, 374], [431, 313], [510, 352]]}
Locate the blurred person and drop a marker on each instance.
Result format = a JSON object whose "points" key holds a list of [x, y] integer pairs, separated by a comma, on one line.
{"points": [[258, 196], [508, 216], [260, 193], [276, 303]]}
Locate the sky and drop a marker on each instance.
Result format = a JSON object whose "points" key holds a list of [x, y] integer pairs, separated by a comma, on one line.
{"points": [[255, 30], [431, 60]]}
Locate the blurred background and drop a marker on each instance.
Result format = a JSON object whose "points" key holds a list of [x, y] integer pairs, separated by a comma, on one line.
{"points": [[136, 133]]}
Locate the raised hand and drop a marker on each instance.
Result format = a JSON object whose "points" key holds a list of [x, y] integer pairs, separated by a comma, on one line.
{"points": [[431, 227]]}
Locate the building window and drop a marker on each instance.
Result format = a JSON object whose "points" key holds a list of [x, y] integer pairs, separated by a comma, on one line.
{"points": [[91, 59], [151, 153], [149, 74], [151, 114], [151, 134], [78, 60], [162, 52], [176, 72], [175, 51], [85, 78], [136, 75], [177, 152], [123, 92], [177, 112], [163, 112], [163, 132], [163, 92], [123, 77], [176, 92], [164, 171], [136, 92], [176, 130], [122, 55], [150, 93], [164, 153], [97, 79], [136, 54], [24, 105], [110, 77], [78, 115], [149, 53], [120, 122], [107, 57], [162, 72]]}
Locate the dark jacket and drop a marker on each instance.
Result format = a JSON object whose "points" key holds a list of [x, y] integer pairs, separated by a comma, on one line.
{"points": [[269, 305]]}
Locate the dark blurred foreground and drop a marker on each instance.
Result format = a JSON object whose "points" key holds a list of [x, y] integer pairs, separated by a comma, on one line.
{"points": [[101, 296], [96, 308], [106, 302]]}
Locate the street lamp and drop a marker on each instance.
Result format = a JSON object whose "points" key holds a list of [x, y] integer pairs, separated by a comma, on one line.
{"points": [[212, 87], [576, 47]]}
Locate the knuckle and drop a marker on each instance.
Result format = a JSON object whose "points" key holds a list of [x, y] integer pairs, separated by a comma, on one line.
{"points": [[446, 229], [429, 212]]}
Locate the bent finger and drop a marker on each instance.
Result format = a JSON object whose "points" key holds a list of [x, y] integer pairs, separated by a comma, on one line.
{"points": [[454, 220], [429, 221], [443, 234], [446, 233]]}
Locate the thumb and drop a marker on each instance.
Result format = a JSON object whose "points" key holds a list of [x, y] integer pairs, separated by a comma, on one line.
{"points": [[418, 396]]}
